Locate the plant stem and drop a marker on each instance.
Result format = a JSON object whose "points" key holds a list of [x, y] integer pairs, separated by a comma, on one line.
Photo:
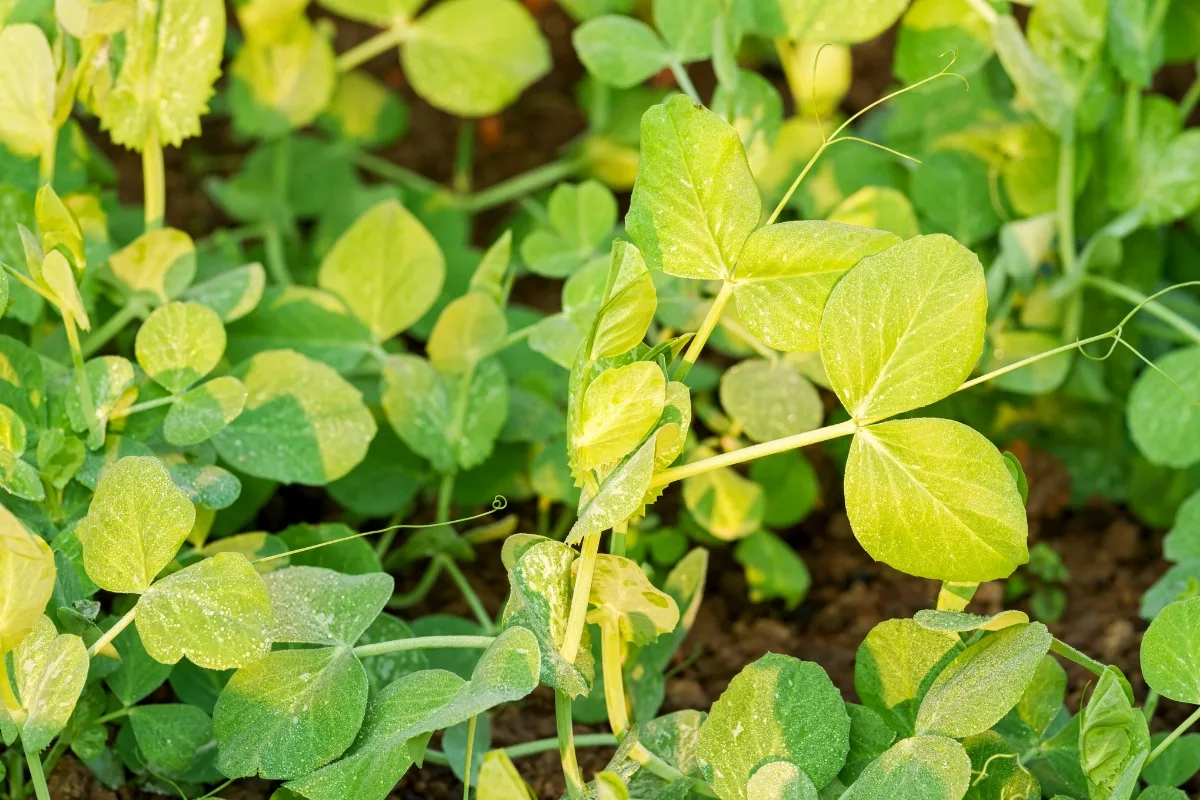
{"points": [[29, 284], [984, 10], [614, 678], [379, 43], [56, 752], [796, 183], [1188, 104], [535, 747], [419, 591], [144, 406], [1065, 208], [754, 451], [397, 174], [616, 543], [1172, 736], [276, 260], [422, 643], [580, 596], [132, 310], [35, 772], [467, 758], [520, 185], [46, 162], [464, 586], [154, 181], [1082, 659], [81, 381], [1150, 706], [464, 156], [996, 373], [109, 717], [112, 632], [566, 745], [705, 330], [685, 82], [1111, 287], [1132, 117]]}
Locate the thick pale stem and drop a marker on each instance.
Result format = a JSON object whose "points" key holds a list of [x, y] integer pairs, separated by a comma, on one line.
{"points": [[1172, 736], [705, 330], [35, 772], [379, 43], [579, 599], [112, 632], [519, 186], [467, 758], [419, 591], [614, 679], [616, 543], [276, 259], [445, 494], [566, 745], [422, 643], [754, 451], [154, 181], [147, 405]]}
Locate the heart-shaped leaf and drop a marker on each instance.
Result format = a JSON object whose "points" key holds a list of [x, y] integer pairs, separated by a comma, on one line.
{"points": [[50, 670], [179, 344]]}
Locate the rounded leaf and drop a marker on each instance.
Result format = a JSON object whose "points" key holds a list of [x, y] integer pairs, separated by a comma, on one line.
{"points": [[27, 91], [619, 408], [1170, 653], [920, 768], [893, 665], [1164, 419], [204, 411], [160, 263], [619, 51], [933, 498], [469, 329], [50, 671], [771, 399], [179, 344]]}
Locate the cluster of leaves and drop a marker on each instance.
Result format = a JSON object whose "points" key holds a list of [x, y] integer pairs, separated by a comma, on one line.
{"points": [[386, 362]]}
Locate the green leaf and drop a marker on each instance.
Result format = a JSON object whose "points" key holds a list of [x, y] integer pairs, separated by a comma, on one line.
{"points": [[159, 263], [1170, 654], [961, 622], [776, 708], [1177, 764], [620, 406], [955, 191], [770, 399], [1011, 346], [905, 327], [384, 670], [780, 780], [1162, 793], [354, 556], [207, 485], [376, 12], [216, 612], [20, 477], [179, 344], [627, 311], [1163, 416], [726, 504], [137, 521], [894, 667], [983, 682], [687, 26], [27, 575], [172, 58], [621, 494], [303, 423], [289, 77], [232, 294], [623, 600], [1039, 86], [285, 715], [3, 292], [320, 606], [310, 321], [695, 201], [474, 57], [59, 228], [469, 329], [790, 486], [581, 219], [773, 570], [419, 704], [417, 405], [1114, 740], [365, 111], [619, 51], [998, 765], [785, 274], [387, 268], [828, 21], [930, 28], [204, 411], [27, 91], [139, 674], [540, 601], [870, 737], [880, 207], [110, 379], [933, 498], [383, 752], [1182, 542], [920, 768], [170, 734], [50, 670]]}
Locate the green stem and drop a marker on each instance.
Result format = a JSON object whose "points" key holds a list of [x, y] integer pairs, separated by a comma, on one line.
{"points": [[415, 595], [984, 10], [85, 389], [16, 773], [1172, 736], [422, 643], [1159, 310], [109, 717], [996, 373], [1082, 659], [133, 309], [685, 81], [754, 451], [397, 174], [145, 406], [796, 183], [464, 586], [112, 632], [1065, 208], [236, 235], [464, 156], [521, 185], [566, 745], [1188, 104], [616, 543], [519, 335], [705, 330], [154, 181], [276, 260], [35, 772], [379, 43], [467, 758], [1150, 706], [46, 163], [29, 284], [535, 747]]}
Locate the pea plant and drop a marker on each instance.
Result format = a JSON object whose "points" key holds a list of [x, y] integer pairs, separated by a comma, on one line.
{"points": [[160, 395]]}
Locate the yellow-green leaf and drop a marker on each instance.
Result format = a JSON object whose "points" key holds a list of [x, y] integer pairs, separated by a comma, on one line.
{"points": [[771, 399], [161, 263], [204, 411], [726, 504], [27, 86], [468, 330], [50, 669], [623, 599], [216, 612], [59, 227], [179, 344], [27, 576], [933, 498], [880, 207], [619, 408], [905, 327], [386, 267], [136, 522], [499, 779], [292, 73], [57, 274]]}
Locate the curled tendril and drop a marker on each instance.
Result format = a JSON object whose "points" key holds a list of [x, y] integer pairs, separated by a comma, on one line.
{"points": [[499, 503], [1116, 335]]}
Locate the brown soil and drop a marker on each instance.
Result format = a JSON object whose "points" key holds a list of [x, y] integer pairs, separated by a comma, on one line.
{"points": [[1111, 558]]}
